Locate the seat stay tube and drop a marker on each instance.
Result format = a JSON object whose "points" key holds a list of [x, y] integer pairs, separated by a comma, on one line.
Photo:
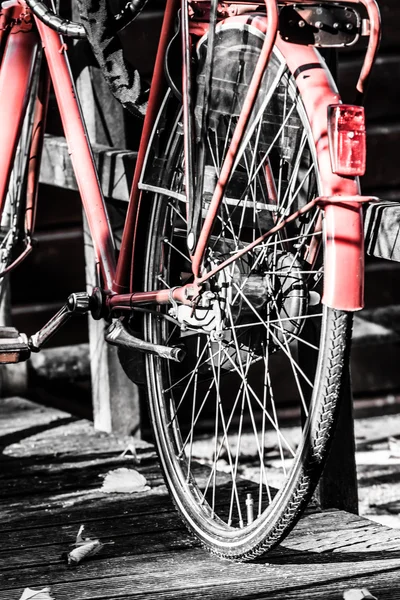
{"points": [[80, 152]]}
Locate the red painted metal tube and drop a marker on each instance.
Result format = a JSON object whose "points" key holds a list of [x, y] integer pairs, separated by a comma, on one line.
{"points": [[124, 274], [226, 170], [15, 73], [35, 154], [80, 151], [183, 295], [373, 45]]}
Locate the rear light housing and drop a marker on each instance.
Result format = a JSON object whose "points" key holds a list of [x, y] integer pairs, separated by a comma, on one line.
{"points": [[347, 139]]}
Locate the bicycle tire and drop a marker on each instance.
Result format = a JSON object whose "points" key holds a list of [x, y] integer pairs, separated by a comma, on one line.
{"points": [[226, 380]]}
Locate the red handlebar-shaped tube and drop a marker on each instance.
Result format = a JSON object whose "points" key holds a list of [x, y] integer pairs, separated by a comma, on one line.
{"points": [[49, 18]]}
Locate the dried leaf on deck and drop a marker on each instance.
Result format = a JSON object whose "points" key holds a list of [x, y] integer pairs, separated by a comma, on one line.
{"points": [[358, 594], [124, 481], [43, 594], [84, 548], [85, 551], [131, 450]]}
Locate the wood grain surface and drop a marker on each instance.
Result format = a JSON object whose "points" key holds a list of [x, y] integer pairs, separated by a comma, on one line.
{"points": [[50, 480]]}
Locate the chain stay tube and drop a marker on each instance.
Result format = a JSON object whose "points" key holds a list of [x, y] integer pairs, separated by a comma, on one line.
{"points": [[184, 295], [80, 152]]}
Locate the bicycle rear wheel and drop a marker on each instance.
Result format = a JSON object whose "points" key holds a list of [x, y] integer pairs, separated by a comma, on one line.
{"points": [[264, 356]]}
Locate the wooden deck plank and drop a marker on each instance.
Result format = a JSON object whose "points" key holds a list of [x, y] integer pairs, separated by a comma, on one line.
{"points": [[191, 568], [344, 543], [50, 485]]}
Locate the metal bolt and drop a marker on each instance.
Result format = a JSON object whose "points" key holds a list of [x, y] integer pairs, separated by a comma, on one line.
{"points": [[302, 23], [351, 134], [336, 25], [319, 24], [349, 26]]}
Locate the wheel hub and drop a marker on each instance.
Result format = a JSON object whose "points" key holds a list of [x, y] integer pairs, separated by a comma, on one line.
{"points": [[276, 292]]}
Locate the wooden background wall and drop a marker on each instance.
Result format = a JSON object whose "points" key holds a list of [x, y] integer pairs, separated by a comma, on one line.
{"points": [[56, 268]]}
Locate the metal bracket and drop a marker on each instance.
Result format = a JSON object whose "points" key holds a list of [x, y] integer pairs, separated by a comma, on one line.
{"points": [[324, 26]]}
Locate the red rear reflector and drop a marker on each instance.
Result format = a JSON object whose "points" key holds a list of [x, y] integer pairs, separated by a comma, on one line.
{"points": [[347, 139]]}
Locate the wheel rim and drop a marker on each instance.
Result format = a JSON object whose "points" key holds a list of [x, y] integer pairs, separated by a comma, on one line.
{"points": [[271, 312]]}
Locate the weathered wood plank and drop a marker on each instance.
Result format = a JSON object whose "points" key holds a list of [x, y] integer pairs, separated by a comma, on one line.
{"points": [[152, 555], [193, 569], [115, 398], [144, 534], [115, 167]]}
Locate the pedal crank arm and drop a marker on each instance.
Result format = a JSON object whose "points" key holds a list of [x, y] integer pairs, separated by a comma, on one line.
{"points": [[117, 335], [77, 303]]}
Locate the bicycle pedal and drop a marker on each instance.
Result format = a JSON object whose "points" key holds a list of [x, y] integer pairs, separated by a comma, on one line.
{"points": [[14, 346]]}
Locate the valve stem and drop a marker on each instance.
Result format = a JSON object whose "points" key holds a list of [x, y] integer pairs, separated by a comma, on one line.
{"points": [[250, 508]]}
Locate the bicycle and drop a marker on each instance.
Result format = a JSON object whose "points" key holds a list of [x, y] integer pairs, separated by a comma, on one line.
{"points": [[245, 207]]}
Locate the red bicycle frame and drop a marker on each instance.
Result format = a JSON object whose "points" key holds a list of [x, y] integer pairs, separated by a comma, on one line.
{"points": [[343, 230]]}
